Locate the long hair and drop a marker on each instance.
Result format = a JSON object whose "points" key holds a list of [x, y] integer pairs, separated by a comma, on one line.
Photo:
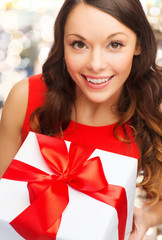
{"points": [[141, 97]]}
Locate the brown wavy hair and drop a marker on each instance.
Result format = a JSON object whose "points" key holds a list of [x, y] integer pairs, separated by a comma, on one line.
{"points": [[139, 102]]}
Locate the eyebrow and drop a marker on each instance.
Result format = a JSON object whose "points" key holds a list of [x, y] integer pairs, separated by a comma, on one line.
{"points": [[110, 36]]}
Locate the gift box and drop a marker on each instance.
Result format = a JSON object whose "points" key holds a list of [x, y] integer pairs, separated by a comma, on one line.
{"points": [[55, 189]]}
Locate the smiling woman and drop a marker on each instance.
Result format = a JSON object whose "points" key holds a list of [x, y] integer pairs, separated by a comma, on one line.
{"points": [[100, 87]]}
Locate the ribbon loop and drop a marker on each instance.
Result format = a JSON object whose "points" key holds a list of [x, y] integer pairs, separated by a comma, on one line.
{"points": [[43, 213]]}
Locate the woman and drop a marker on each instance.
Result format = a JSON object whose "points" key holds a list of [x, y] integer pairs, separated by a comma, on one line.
{"points": [[100, 73]]}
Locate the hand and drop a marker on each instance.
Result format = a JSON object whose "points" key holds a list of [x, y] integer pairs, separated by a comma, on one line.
{"points": [[140, 225]]}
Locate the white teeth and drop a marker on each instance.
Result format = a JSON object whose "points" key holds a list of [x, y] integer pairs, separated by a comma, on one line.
{"points": [[98, 81]]}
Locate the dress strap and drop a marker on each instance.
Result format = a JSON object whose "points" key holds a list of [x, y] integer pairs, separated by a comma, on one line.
{"points": [[36, 98]]}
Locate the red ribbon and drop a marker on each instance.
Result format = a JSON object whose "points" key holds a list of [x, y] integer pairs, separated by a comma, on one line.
{"points": [[49, 193]]}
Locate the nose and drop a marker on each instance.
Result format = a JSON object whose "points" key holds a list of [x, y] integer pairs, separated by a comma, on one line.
{"points": [[96, 61]]}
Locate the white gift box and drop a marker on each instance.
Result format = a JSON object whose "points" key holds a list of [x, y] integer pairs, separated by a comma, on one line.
{"points": [[84, 217]]}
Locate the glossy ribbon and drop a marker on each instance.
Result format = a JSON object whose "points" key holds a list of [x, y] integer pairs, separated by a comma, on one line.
{"points": [[49, 193]]}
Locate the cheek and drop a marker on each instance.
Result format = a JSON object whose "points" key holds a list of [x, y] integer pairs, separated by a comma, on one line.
{"points": [[73, 68], [73, 63], [123, 64]]}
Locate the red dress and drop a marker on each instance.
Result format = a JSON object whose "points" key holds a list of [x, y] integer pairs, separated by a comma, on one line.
{"points": [[99, 137]]}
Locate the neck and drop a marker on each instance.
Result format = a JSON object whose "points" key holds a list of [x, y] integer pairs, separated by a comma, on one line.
{"points": [[93, 114]]}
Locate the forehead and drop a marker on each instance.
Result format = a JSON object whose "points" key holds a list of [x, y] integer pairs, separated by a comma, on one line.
{"points": [[87, 19]]}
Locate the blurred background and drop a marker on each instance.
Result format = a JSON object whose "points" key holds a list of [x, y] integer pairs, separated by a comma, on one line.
{"points": [[26, 34]]}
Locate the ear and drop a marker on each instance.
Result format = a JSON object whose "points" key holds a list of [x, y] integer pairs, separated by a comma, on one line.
{"points": [[137, 50]]}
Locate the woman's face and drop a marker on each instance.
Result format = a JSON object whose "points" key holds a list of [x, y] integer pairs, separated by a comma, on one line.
{"points": [[98, 53]]}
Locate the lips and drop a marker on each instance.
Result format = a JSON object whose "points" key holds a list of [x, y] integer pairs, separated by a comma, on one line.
{"points": [[97, 80], [97, 83]]}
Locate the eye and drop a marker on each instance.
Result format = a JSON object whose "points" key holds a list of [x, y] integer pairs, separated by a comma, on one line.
{"points": [[115, 45], [78, 45]]}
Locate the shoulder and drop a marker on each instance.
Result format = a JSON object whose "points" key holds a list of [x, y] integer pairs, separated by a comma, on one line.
{"points": [[20, 89], [16, 103], [23, 92], [18, 96]]}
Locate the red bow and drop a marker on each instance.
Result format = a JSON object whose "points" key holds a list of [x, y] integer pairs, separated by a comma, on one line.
{"points": [[49, 193]]}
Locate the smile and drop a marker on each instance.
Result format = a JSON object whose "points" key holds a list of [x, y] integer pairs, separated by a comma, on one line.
{"points": [[97, 80]]}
